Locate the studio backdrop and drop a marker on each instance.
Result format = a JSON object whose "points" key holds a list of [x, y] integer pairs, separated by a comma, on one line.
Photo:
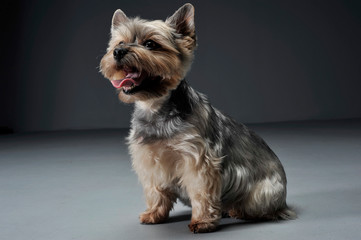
{"points": [[258, 61]]}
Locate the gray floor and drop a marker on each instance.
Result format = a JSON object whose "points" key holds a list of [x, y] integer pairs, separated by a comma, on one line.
{"points": [[79, 185]]}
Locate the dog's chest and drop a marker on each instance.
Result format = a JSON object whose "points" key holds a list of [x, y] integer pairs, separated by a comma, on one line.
{"points": [[159, 165], [157, 161]]}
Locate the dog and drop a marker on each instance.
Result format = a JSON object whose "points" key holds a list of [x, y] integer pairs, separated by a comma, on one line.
{"points": [[181, 146]]}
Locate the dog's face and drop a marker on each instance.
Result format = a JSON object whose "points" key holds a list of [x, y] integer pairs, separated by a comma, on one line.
{"points": [[147, 59]]}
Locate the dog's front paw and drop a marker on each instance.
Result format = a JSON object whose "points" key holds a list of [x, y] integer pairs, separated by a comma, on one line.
{"points": [[202, 226], [152, 217]]}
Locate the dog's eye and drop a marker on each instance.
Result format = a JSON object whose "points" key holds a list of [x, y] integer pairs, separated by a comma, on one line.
{"points": [[150, 44]]}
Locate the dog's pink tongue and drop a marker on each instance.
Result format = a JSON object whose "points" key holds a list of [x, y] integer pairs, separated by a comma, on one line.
{"points": [[127, 82]]}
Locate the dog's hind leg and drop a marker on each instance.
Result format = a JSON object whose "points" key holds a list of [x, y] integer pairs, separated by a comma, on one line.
{"points": [[265, 201]]}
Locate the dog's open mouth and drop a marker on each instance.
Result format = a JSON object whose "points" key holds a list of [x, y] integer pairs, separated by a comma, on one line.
{"points": [[129, 84]]}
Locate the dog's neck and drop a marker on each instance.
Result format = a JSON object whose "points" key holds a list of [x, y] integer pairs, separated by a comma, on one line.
{"points": [[151, 105], [162, 118], [175, 97]]}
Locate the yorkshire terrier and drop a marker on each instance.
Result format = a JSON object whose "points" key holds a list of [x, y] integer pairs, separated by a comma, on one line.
{"points": [[181, 146]]}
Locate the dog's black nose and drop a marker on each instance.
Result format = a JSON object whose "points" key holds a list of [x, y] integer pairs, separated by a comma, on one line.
{"points": [[119, 53]]}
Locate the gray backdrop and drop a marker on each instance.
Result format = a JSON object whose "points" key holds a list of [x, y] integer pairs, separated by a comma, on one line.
{"points": [[258, 61]]}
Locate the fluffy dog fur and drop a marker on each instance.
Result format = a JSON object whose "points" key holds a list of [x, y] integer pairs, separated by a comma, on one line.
{"points": [[181, 146]]}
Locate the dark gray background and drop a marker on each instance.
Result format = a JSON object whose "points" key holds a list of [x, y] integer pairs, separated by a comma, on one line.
{"points": [[258, 61]]}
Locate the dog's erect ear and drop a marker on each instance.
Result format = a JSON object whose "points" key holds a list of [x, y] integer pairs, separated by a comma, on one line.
{"points": [[183, 20], [119, 17]]}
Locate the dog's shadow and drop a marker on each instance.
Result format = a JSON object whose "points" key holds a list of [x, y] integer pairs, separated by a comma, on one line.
{"points": [[225, 223], [180, 217]]}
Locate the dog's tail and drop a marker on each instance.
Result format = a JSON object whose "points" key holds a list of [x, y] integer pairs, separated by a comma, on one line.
{"points": [[286, 213]]}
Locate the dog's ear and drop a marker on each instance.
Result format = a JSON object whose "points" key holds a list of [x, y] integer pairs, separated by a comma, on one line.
{"points": [[183, 20], [119, 18]]}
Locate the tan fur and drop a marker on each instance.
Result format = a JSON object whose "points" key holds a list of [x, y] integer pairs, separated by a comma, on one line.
{"points": [[185, 162], [118, 75]]}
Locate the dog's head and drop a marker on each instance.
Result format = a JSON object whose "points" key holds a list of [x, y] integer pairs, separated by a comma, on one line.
{"points": [[147, 59]]}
